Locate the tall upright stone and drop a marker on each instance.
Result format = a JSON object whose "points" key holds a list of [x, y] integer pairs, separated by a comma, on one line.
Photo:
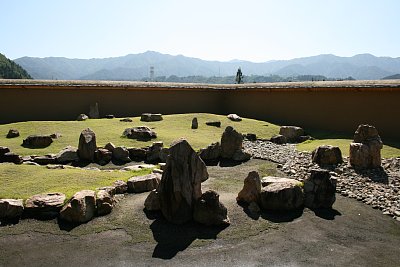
{"points": [[231, 141], [87, 145], [180, 186], [94, 111]]}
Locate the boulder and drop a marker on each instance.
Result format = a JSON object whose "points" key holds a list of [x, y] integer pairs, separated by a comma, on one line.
{"points": [[103, 156], [11, 157], [110, 146], [126, 120], [104, 202], [121, 154], [152, 202], [141, 133], [153, 153], [146, 183], [180, 186], [94, 111], [231, 141], [80, 208], [37, 141], [214, 123], [282, 196], [82, 117], [3, 150], [121, 187], [109, 189], [234, 117], [109, 116], [195, 123], [292, 133], [11, 209], [151, 117], [327, 155], [137, 154], [45, 160], [251, 189], [12, 133], [209, 210], [87, 145], [251, 136], [319, 190], [278, 139], [212, 153], [365, 151], [44, 206]]}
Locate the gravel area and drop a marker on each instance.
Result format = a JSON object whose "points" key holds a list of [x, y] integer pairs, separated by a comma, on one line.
{"points": [[379, 188]]}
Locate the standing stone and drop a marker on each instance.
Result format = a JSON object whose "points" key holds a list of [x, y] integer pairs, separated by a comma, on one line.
{"points": [[319, 190], [292, 133], [195, 123], [209, 210], [11, 209], [80, 208], [12, 133], [180, 185], [231, 141], [251, 189], [365, 151], [94, 111], [327, 155], [44, 206], [87, 145]]}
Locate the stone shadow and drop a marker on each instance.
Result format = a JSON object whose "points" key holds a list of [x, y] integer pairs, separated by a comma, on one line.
{"points": [[273, 216], [378, 175], [327, 214], [229, 163], [172, 238]]}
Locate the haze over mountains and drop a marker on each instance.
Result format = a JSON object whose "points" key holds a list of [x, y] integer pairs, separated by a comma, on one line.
{"points": [[136, 66]]}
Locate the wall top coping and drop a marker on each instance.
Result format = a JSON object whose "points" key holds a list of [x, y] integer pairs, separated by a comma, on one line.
{"points": [[367, 85]]}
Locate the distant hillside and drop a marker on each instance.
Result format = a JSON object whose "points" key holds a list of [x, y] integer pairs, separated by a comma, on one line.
{"points": [[136, 66], [10, 70], [392, 77]]}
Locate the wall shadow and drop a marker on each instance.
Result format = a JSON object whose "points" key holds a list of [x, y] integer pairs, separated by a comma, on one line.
{"points": [[172, 238]]}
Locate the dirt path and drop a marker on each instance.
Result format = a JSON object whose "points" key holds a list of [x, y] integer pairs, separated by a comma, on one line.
{"points": [[352, 234]]}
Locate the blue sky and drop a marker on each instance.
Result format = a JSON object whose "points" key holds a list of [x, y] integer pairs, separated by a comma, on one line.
{"points": [[208, 29]]}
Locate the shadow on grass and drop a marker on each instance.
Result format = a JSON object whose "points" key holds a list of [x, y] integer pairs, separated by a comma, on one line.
{"points": [[172, 238]]}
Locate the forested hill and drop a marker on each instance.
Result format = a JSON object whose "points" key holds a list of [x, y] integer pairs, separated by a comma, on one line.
{"points": [[11, 70]]}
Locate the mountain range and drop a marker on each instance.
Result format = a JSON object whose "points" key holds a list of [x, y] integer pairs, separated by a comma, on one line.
{"points": [[137, 66]]}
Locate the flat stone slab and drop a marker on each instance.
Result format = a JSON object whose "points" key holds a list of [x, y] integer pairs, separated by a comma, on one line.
{"points": [[44, 206], [144, 183]]}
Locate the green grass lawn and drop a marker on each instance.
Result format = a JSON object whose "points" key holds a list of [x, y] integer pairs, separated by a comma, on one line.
{"points": [[110, 130], [23, 181]]}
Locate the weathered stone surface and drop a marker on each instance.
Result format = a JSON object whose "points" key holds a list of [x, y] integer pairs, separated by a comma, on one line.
{"points": [[282, 196], [94, 111], [212, 153], [110, 146], [365, 151], [141, 133], [37, 141], [121, 187], [45, 160], [195, 123], [153, 153], [251, 189], [126, 120], [11, 157], [121, 154], [292, 133], [214, 123], [152, 202], [80, 208], [82, 117], [11, 209], [151, 117], [103, 156], [209, 210], [327, 155], [278, 139], [12, 133], [104, 202], [180, 185], [44, 206], [319, 190], [137, 154], [145, 183], [231, 141], [87, 145], [234, 117]]}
